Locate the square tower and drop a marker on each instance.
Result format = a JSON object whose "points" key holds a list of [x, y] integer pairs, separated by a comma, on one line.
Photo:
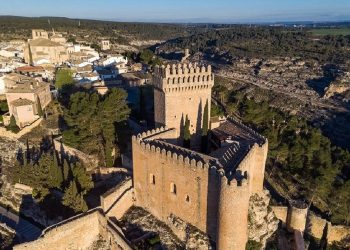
{"points": [[182, 90]]}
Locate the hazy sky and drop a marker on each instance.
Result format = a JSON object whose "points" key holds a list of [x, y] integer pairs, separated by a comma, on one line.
{"points": [[184, 10]]}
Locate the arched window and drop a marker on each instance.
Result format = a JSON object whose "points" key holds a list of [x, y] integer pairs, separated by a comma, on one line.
{"points": [[173, 188], [174, 80], [187, 198], [179, 80], [194, 79], [208, 78], [189, 79], [152, 179], [199, 78], [203, 78]]}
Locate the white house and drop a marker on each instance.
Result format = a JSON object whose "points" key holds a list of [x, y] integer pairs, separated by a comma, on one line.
{"points": [[2, 85], [115, 60]]}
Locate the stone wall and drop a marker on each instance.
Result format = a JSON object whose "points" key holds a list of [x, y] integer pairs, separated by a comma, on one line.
{"points": [[156, 176], [78, 232], [335, 233], [89, 161], [315, 225], [118, 200], [25, 130]]}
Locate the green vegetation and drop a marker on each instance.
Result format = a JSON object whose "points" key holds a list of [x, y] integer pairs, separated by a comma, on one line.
{"points": [[205, 128], [3, 109], [187, 133], [253, 245], [39, 108], [224, 45], [319, 169], [13, 125], [64, 77], [45, 174], [91, 122], [331, 32], [148, 57]]}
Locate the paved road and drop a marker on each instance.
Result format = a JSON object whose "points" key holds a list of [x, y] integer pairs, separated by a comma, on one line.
{"points": [[25, 230]]}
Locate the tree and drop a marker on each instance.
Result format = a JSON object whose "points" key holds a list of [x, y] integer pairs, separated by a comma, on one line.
{"points": [[66, 171], [205, 128], [39, 108], [13, 125], [64, 78], [30, 55], [187, 133], [73, 199], [92, 121]]}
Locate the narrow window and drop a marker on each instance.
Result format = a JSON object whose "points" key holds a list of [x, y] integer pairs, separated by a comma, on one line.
{"points": [[187, 198], [152, 179], [173, 188]]}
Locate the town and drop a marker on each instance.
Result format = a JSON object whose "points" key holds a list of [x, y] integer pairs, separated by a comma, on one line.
{"points": [[107, 148]]}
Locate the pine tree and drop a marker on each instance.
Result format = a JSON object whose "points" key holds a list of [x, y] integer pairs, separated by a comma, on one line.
{"points": [[66, 171], [13, 125], [187, 133], [73, 199], [39, 108], [205, 128]]}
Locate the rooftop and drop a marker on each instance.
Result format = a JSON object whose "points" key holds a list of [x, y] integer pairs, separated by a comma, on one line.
{"points": [[43, 42], [21, 102]]}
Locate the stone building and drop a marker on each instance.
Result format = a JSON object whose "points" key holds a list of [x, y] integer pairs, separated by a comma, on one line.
{"points": [[44, 50], [210, 192], [23, 95], [182, 91]]}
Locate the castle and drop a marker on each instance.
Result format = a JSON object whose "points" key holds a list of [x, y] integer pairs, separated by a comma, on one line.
{"points": [[210, 192]]}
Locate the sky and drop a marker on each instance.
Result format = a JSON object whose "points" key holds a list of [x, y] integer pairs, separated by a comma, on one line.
{"points": [[224, 11]]}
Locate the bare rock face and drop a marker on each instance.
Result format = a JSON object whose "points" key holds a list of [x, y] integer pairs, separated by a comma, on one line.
{"points": [[262, 222], [7, 236]]}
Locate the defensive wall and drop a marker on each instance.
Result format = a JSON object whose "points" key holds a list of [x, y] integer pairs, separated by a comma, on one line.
{"points": [[314, 224], [78, 232], [89, 161], [118, 200]]}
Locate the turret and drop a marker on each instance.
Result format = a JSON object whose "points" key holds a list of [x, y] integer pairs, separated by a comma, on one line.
{"points": [[232, 222]]}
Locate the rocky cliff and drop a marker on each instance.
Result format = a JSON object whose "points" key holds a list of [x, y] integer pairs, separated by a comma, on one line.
{"points": [[262, 222]]}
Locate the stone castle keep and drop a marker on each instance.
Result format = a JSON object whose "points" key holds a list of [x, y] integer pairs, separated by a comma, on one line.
{"points": [[182, 90], [211, 192]]}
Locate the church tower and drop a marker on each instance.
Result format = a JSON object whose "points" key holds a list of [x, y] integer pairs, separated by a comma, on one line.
{"points": [[182, 90]]}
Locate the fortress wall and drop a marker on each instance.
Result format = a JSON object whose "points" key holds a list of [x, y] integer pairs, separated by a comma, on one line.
{"points": [[280, 213], [190, 200], [253, 164], [316, 226], [296, 218], [118, 200], [89, 161], [159, 108], [233, 215], [77, 233]]}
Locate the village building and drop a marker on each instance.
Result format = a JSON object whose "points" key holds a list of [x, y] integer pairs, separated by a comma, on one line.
{"points": [[25, 97]]}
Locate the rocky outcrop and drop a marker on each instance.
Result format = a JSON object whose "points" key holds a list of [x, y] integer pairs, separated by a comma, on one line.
{"points": [[334, 89], [262, 222], [7, 236]]}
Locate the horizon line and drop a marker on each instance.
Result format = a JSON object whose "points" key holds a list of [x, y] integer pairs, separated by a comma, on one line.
{"points": [[188, 20]]}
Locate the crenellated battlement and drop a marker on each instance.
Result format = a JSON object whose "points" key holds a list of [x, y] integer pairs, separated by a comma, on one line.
{"points": [[183, 77]]}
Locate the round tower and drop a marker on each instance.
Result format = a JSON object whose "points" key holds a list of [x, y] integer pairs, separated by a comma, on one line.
{"points": [[232, 222], [296, 217]]}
